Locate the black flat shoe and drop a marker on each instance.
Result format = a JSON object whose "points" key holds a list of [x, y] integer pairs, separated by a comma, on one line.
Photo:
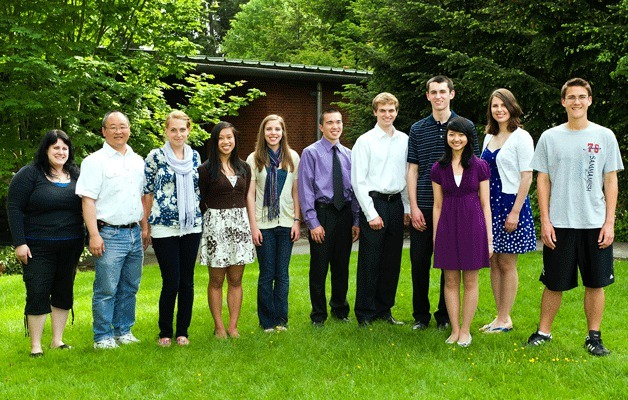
{"points": [[63, 347], [37, 355]]}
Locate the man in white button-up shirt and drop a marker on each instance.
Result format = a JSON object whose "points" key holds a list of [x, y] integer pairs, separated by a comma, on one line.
{"points": [[110, 185], [378, 177]]}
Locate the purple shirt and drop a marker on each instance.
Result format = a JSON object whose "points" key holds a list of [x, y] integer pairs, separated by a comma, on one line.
{"points": [[315, 181]]}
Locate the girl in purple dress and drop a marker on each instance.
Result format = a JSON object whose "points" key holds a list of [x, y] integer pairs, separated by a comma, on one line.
{"points": [[462, 224]]}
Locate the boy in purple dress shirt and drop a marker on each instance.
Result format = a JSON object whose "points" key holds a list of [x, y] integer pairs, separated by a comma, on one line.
{"points": [[330, 215]]}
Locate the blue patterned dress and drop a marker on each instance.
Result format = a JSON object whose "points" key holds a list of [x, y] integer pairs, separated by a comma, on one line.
{"points": [[522, 239]]}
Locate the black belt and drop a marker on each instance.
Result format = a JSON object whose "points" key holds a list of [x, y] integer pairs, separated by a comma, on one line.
{"points": [[102, 223], [384, 196], [323, 206]]}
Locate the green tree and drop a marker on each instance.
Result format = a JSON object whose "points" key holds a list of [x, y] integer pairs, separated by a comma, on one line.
{"points": [[531, 47], [63, 64], [528, 46], [215, 21], [318, 32]]}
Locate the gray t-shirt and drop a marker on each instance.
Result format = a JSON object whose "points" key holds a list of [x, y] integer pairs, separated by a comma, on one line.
{"points": [[576, 162]]}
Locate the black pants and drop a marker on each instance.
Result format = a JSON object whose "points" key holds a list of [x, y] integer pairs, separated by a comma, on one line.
{"points": [[379, 262], [49, 275], [176, 256], [421, 250], [333, 254]]}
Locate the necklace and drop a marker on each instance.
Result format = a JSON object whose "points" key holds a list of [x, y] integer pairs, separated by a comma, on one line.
{"points": [[55, 176]]}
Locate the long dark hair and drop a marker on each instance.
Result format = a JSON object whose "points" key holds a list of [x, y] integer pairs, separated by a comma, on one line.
{"points": [[459, 124], [505, 95], [41, 155], [213, 161]]}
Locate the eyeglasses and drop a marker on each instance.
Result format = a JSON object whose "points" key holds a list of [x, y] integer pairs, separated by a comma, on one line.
{"points": [[115, 128], [572, 98]]}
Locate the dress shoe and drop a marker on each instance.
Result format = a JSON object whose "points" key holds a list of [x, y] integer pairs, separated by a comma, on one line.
{"points": [[443, 326], [393, 321], [365, 324], [318, 324], [419, 326]]}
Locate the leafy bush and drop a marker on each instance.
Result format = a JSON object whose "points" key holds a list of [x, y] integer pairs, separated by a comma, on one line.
{"points": [[621, 225], [9, 264]]}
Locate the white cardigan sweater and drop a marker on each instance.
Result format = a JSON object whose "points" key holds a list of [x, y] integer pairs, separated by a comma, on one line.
{"points": [[513, 158]]}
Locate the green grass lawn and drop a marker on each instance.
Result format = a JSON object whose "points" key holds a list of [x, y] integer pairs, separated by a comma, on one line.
{"points": [[337, 361]]}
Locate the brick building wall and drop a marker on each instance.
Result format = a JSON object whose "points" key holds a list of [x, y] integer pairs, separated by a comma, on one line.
{"points": [[294, 101]]}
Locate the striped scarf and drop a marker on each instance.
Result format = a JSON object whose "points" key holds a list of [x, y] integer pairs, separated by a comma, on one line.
{"points": [[271, 195]]}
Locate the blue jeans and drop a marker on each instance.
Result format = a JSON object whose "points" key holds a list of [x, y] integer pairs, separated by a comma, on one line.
{"points": [[118, 273], [273, 257]]}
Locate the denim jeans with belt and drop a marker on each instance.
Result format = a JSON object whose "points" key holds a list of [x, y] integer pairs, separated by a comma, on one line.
{"points": [[273, 257], [118, 273]]}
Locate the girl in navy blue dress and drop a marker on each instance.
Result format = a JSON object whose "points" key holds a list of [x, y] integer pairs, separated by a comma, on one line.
{"points": [[462, 225], [508, 149]]}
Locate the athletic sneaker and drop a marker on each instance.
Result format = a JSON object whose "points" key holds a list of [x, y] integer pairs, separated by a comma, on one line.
{"points": [[596, 347], [537, 339], [107, 343], [127, 338]]}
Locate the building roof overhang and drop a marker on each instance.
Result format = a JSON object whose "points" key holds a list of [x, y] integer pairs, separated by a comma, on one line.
{"points": [[277, 70]]}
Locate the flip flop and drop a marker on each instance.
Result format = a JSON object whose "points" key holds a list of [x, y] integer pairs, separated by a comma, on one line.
{"points": [[499, 329], [485, 327]]}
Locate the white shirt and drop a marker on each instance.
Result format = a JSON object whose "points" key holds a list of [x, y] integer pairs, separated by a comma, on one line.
{"points": [[378, 163], [116, 182], [514, 158]]}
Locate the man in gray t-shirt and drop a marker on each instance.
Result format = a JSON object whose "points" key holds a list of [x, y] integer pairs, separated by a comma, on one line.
{"points": [[577, 164]]}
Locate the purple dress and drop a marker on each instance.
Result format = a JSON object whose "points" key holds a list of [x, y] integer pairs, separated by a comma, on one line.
{"points": [[461, 241]]}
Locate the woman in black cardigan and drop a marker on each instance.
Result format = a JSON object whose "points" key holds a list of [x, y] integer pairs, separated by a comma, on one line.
{"points": [[46, 223]]}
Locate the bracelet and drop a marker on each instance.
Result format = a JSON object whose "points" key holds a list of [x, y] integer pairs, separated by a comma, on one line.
{"points": [[296, 219]]}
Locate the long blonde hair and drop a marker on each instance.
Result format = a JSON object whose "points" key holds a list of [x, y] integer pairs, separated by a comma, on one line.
{"points": [[260, 155]]}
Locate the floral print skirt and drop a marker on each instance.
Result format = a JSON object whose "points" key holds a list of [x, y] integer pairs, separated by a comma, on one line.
{"points": [[226, 238]]}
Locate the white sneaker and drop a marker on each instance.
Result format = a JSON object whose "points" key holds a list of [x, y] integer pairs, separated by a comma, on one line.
{"points": [[107, 343], [127, 339]]}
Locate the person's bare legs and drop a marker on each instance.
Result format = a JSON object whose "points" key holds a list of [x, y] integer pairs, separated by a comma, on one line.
{"points": [[59, 319], [234, 297], [495, 286], [594, 300], [550, 303], [509, 282], [214, 298], [452, 301], [36, 330], [469, 305]]}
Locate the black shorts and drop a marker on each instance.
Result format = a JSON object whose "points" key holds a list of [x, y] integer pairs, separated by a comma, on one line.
{"points": [[577, 249], [49, 275]]}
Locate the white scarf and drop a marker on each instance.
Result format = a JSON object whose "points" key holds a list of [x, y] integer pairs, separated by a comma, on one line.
{"points": [[186, 196]]}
